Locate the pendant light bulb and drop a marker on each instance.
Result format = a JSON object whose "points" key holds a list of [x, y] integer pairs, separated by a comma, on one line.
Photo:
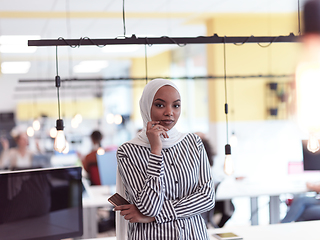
{"points": [[228, 163], [36, 125], [78, 117], [30, 131], [53, 132], [308, 73], [66, 150], [101, 151], [74, 123], [313, 143], [60, 140]]}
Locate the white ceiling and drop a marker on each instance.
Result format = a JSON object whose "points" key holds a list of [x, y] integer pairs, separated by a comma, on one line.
{"points": [[104, 19]]}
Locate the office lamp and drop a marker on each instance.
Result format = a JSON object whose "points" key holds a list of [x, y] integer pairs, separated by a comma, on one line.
{"points": [[60, 140], [228, 163], [308, 75]]}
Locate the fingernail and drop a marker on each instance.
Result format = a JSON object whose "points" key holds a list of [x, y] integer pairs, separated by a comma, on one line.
{"points": [[113, 209]]}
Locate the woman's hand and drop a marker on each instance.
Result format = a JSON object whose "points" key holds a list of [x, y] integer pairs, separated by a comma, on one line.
{"points": [[154, 131], [130, 212], [4, 143], [313, 186]]}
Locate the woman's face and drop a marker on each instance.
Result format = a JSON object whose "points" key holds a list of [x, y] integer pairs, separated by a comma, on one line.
{"points": [[23, 140], [166, 106]]}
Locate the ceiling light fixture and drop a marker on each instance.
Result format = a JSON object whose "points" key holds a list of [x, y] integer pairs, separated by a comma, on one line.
{"points": [[308, 75], [30, 131], [60, 140], [228, 163]]}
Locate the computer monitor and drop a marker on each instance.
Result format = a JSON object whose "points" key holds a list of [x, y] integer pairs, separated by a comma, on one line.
{"points": [[311, 161], [107, 164], [41, 204]]}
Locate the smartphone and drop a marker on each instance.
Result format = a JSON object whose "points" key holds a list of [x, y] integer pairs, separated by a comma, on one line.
{"points": [[117, 200], [227, 236]]}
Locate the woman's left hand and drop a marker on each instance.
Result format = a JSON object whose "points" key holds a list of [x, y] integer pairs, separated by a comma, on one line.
{"points": [[131, 213]]}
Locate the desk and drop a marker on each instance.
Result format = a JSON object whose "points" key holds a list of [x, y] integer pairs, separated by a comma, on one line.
{"points": [[285, 231], [273, 187], [228, 189], [97, 197]]}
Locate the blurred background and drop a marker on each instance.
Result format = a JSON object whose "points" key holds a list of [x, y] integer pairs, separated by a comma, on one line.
{"points": [[262, 124]]}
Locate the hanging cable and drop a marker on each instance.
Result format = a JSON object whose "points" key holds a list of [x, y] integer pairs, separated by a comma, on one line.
{"points": [[146, 62], [123, 19], [228, 164], [60, 140], [57, 82], [225, 88], [299, 29]]}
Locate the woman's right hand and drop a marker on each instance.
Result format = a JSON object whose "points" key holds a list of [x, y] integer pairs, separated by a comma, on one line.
{"points": [[154, 131], [4, 143], [131, 213]]}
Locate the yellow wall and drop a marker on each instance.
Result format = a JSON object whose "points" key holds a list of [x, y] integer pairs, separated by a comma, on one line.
{"points": [[90, 109], [158, 66], [246, 97]]}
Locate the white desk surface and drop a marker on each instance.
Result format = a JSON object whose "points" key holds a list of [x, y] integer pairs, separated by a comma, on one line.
{"points": [[285, 231], [97, 197], [273, 186], [230, 188]]}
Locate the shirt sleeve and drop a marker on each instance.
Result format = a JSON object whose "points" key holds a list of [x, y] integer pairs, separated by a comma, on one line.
{"points": [[201, 200], [149, 196]]}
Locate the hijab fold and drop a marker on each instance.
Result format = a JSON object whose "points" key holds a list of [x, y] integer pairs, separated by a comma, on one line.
{"points": [[141, 139]]}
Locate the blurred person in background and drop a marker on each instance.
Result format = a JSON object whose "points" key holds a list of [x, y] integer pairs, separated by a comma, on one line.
{"points": [[19, 157], [304, 208], [91, 158]]}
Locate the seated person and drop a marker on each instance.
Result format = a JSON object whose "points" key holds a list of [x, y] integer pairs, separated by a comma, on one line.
{"points": [[91, 158], [304, 208], [19, 157]]}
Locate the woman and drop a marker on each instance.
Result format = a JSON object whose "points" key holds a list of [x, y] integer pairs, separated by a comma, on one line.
{"points": [[165, 174], [19, 157]]}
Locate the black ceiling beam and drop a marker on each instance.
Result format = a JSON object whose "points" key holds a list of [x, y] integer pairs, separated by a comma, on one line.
{"points": [[209, 77], [215, 39]]}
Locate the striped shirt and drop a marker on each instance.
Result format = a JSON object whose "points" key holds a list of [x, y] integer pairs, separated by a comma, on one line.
{"points": [[175, 188]]}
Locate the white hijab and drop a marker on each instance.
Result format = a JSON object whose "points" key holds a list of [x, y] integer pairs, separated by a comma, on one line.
{"points": [[146, 101], [141, 139]]}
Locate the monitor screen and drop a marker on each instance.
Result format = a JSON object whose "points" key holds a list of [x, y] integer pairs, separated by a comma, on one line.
{"points": [[311, 161], [107, 164], [41, 204]]}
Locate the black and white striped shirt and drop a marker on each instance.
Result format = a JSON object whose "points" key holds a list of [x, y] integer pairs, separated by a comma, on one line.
{"points": [[175, 188]]}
